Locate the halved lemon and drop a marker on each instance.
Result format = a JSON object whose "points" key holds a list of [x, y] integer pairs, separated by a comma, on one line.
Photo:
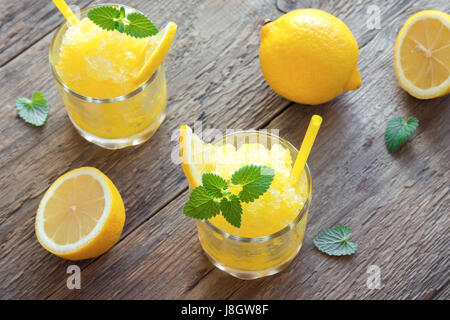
{"points": [[164, 38], [81, 215], [422, 55]]}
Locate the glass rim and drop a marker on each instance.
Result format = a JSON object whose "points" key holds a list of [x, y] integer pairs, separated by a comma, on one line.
{"points": [[84, 97], [287, 228]]}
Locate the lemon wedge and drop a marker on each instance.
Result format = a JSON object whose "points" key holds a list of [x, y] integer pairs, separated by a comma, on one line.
{"points": [[164, 38], [81, 215], [197, 157]]}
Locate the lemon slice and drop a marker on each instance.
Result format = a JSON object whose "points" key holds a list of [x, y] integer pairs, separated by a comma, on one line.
{"points": [[197, 157], [164, 38], [422, 55], [81, 215]]}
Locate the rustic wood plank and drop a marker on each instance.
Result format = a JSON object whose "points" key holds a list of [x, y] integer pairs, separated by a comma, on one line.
{"points": [[441, 294], [214, 66], [398, 216], [23, 23]]}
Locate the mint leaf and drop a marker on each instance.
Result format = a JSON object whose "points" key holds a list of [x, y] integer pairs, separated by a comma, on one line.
{"points": [[105, 17], [201, 205], [232, 210], [121, 20], [134, 24], [255, 180], [140, 26], [34, 111], [122, 13], [334, 241], [214, 184], [397, 132]]}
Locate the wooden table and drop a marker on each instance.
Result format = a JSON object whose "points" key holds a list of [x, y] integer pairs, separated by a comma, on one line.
{"points": [[397, 205]]}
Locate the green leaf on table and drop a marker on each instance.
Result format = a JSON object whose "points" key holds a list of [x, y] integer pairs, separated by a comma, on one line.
{"points": [[255, 180], [334, 241], [201, 205], [34, 111], [134, 24], [214, 184], [398, 132], [232, 210]]}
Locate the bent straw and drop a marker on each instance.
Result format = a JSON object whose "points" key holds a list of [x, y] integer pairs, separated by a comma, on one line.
{"points": [[66, 11], [307, 144]]}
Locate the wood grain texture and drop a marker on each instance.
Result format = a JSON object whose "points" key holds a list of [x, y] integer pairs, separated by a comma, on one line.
{"points": [[396, 205], [24, 23]]}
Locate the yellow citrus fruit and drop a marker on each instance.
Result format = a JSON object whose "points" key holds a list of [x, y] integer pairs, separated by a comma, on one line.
{"points": [[309, 56], [422, 55], [197, 157], [81, 215], [164, 40]]}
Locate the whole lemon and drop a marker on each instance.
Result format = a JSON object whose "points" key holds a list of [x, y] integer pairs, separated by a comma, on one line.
{"points": [[309, 56]]}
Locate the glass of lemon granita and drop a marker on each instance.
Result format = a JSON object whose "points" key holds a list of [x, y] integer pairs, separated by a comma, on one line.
{"points": [[273, 226], [96, 71]]}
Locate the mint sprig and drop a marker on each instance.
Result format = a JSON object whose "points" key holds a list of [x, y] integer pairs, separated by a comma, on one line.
{"points": [[398, 132], [34, 111], [231, 210], [334, 241], [201, 205], [255, 180], [214, 184], [134, 24], [213, 196]]}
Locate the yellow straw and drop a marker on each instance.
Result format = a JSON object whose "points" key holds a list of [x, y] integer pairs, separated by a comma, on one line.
{"points": [[307, 144], [66, 11]]}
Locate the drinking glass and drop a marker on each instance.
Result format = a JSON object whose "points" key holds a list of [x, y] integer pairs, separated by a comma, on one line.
{"points": [[118, 122], [251, 258]]}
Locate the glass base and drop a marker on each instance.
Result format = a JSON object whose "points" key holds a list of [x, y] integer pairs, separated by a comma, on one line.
{"points": [[252, 274], [133, 140]]}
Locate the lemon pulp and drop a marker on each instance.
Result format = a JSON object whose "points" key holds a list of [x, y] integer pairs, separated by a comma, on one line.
{"points": [[81, 215], [422, 55], [74, 209]]}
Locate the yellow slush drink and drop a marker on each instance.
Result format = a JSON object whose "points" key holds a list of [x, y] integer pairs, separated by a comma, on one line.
{"points": [[96, 70], [273, 225]]}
